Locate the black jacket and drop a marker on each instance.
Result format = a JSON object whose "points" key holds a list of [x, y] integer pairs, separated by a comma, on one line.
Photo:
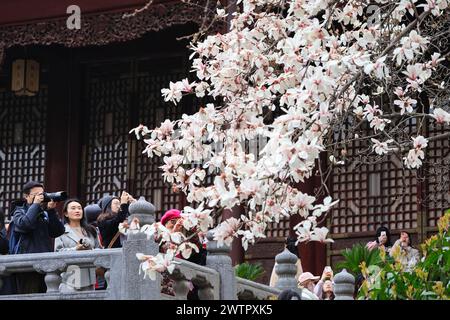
{"points": [[109, 227], [36, 228], [4, 243]]}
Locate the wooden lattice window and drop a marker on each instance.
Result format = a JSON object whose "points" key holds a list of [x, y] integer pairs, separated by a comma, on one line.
{"points": [[373, 191], [22, 142], [152, 111], [108, 100], [436, 175], [119, 97]]}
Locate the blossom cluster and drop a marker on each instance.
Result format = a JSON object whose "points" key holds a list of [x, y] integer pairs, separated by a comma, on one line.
{"points": [[287, 59]]}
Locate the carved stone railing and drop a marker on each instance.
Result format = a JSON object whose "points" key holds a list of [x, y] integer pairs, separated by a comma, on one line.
{"points": [[215, 281], [54, 264], [249, 290], [186, 274]]}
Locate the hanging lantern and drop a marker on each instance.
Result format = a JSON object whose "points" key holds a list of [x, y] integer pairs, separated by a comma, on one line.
{"points": [[25, 77]]}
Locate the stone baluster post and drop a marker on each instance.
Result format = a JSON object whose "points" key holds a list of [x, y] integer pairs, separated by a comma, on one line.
{"points": [[205, 290], [134, 287], [219, 259], [344, 286], [52, 270], [286, 271], [180, 284]]}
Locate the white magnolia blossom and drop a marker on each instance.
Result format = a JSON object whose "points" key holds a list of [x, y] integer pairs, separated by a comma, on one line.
{"points": [[441, 116], [287, 59], [381, 147], [415, 156]]}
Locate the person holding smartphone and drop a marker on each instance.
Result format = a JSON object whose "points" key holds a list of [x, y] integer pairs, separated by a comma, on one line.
{"points": [[114, 212], [383, 240], [408, 255], [324, 287]]}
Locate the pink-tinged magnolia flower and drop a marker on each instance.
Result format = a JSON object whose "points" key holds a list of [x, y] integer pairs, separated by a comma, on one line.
{"points": [[139, 131], [166, 127], [381, 147], [378, 123], [435, 59], [304, 203], [186, 249], [441, 116], [154, 265], [172, 94], [197, 217], [370, 111], [414, 158], [406, 104], [420, 142], [226, 231], [321, 208], [320, 235]]}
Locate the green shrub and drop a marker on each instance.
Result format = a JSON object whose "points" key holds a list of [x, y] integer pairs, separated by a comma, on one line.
{"points": [[249, 271], [356, 255], [428, 281]]}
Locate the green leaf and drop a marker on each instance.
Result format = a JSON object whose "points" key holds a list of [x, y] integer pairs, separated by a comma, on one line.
{"points": [[249, 271]]}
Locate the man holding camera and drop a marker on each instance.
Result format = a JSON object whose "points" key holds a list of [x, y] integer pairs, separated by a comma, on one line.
{"points": [[35, 223]]}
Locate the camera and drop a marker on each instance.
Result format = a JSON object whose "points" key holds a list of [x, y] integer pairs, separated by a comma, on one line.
{"points": [[55, 196]]}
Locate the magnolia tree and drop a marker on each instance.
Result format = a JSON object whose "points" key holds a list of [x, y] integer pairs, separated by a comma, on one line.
{"points": [[310, 77]]}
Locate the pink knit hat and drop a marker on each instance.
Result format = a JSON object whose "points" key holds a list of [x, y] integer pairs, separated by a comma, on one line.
{"points": [[169, 215]]}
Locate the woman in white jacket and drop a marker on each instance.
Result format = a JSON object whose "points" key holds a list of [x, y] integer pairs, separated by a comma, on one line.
{"points": [[78, 235]]}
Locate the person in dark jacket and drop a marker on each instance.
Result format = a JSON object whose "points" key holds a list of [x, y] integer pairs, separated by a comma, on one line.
{"points": [[3, 239], [8, 285], [114, 212], [35, 223]]}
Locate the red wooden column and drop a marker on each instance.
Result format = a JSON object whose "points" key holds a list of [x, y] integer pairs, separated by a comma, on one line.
{"points": [[312, 254], [63, 125], [56, 131]]}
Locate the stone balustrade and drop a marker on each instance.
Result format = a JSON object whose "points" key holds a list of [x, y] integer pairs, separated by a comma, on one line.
{"points": [[214, 281], [249, 290], [54, 265], [206, 280]]}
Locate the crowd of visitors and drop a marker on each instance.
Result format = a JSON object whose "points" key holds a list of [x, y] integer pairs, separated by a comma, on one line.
{"points": [[36, 227], [322, 287]]}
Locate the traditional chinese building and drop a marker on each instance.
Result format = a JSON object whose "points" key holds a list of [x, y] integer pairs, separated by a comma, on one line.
{"points": [[68, 98]]}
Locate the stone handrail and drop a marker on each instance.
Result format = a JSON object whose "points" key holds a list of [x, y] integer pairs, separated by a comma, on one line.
{"points": [[249, 290], [85, 295], [33, 262], [53, 264], [216, 280], [206, 280]]}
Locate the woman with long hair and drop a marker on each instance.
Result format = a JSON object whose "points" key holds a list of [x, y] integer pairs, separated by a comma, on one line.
{"points": [[405, 252], [78, 235], [382, 239], [114, 212], [290, 244]]}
